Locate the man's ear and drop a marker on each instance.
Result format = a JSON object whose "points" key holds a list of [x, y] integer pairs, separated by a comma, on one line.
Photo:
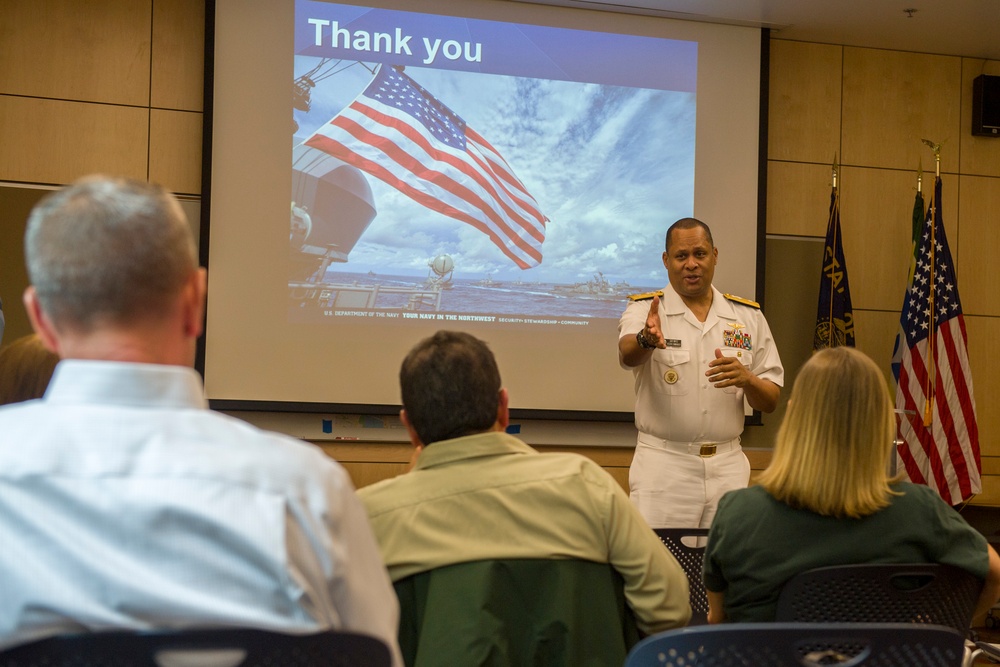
{"points": [[194, 303], [40, 322], [414, 438], [503, 411]]}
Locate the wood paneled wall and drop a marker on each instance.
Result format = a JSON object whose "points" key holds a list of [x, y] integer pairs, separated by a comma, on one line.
{"points": [[871, 108], [116, 86], [113, 86], [109, 86]]}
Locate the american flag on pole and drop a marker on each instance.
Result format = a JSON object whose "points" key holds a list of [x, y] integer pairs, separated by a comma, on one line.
{"points": [[938, 430], [916, 228], [400, 133]]}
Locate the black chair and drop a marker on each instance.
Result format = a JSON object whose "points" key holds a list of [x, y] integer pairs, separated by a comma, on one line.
{"points": [[690, 553], [205, 648], [882, 593], [992, 651], [802, 645]]}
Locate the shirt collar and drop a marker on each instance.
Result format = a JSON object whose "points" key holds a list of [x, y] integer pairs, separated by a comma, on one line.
{"points": [[673, 305], [480, 445], [125, 384]]}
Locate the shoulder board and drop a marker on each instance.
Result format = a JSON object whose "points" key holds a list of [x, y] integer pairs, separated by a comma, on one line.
{"points": [[745, 302], [645, 296]]}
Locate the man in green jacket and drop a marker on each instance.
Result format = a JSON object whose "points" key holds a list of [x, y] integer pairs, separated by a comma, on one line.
{"points": [[477, 494]]}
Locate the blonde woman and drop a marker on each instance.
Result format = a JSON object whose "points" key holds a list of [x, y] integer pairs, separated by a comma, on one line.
{"points": [[827, 499]]}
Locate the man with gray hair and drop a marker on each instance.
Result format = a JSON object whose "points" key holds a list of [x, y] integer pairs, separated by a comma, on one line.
{"points": [[124, 502]]}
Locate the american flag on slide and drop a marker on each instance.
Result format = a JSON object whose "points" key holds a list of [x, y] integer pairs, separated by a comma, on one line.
{"points": [[398, 132], [938, 427]]}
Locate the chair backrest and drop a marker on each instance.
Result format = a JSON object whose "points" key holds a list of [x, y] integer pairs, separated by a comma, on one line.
{"points": [[515, 612], [688, 547], [882, 593], [201, 648], [802, 645]]}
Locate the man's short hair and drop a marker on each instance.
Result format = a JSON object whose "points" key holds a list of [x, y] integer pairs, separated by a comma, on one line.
{"points": [[687, 223], [450, 386], [107, 250]]}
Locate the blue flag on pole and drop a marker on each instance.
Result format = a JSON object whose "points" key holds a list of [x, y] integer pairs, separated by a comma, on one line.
{"points": [[834, 315]]}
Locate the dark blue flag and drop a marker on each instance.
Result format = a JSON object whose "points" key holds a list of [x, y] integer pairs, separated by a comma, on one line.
{"points": [[834, 315]]}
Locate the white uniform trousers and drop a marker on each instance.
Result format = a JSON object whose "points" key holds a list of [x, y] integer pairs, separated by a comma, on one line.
{"points": [[674, 485]]}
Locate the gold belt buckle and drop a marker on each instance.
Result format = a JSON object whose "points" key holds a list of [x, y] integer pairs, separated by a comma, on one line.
{"points": [[707, 451]]}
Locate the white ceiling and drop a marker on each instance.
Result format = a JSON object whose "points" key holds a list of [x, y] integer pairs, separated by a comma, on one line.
{"points": [[950, 27]]}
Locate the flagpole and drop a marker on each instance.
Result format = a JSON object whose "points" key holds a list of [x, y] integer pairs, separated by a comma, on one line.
{"points": [[833, 210], [932, 335]]}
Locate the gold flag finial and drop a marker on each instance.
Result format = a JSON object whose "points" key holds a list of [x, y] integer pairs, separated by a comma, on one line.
{"points": [[836, 169], [920, 174], [936, 147]]}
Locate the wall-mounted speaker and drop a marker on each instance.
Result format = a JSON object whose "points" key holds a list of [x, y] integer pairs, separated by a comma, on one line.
{"points": [[986, 106]]}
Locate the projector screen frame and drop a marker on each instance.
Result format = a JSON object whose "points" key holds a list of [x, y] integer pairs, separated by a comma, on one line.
{"points": [[391, 408]]}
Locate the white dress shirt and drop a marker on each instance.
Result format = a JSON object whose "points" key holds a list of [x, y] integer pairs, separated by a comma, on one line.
{"points": [[126, 503], [674, 399]]}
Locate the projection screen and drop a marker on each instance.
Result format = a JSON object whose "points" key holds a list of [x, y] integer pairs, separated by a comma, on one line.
{"points": [[376, 172]]}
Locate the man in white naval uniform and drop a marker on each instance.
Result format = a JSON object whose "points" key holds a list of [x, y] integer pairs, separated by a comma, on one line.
{"points": [[696, 354]]}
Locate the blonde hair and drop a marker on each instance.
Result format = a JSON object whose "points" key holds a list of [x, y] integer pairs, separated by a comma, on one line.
{"points": [[26, 366], [832, 451]]}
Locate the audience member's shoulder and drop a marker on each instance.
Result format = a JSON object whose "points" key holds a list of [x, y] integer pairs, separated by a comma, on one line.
{"points": [[396, 493], [554, 465], [749, 499], [922, 505], [374, 494], [20, 412], [278, 451], [248, 431], [917, 493], [565, 462]]}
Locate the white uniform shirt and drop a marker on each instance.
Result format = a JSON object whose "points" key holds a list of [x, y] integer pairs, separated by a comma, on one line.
{"points": [[674, 399], [126, 503]]}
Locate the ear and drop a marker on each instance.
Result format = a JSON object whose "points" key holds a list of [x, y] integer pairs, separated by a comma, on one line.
{"points": [[503, 411], [414, 438], [666, 260], [40, 322], [194, 303]]}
